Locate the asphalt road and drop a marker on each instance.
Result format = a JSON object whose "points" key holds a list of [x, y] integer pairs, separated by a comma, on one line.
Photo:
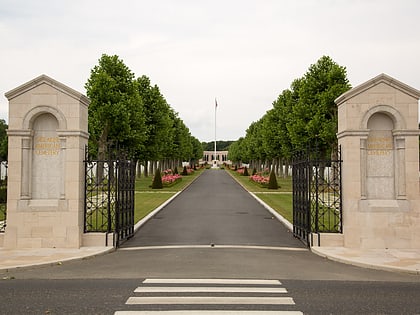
{"points": [[177, 244], [214, 210]]}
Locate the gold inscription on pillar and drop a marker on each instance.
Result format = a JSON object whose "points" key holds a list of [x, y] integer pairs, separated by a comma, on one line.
{"points": [[379, 145], [47, 146]]}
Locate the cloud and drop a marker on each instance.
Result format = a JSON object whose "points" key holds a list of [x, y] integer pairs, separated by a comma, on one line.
{"points": [[245, 52]]}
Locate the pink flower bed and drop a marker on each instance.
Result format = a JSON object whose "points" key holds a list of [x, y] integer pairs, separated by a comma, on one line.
{"points": [[167, 172], [259, 179], [240, 171], [170, 178]]}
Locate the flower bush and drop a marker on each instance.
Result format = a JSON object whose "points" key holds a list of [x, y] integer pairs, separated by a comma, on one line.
{"points": [[259, 179], [265, 179], [243, 171], [168, 179], [187, 171], [168, 172]]}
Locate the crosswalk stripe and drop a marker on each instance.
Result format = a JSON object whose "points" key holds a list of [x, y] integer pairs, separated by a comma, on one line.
{"points": [[199, 296], [210, 289], [208, 312], [206, 300], [213, 281]]}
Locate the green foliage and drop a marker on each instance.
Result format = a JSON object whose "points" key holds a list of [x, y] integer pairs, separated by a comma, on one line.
{"points": [[158, 121], [302, 116], [3, 140], [3, 194], [116, 109], [134, 114], [315, 112], [245, 172], [272, 181], [254, 171], [157, 180], [175, 170], [221, 145]]}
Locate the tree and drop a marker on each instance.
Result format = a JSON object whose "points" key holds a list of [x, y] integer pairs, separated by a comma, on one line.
{"points": [[197, 152], [157, 180], [3, 140], [158, 120], [236, 153], [272, 181], [116, 110], [182, 146], [315, 112], [221, 145]]}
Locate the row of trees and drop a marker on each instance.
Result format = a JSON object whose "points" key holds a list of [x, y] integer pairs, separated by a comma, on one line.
{"points": [[131, 113], [301, 116], [221, 145]]}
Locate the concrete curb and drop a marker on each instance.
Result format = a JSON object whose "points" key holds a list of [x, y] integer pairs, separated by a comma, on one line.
{"points": [[54, 262], [86, 254], [143, 221], [275, 214], [357, 263]]}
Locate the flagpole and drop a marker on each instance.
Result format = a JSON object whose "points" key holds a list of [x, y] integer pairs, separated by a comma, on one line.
{"points": [[215, 135]]}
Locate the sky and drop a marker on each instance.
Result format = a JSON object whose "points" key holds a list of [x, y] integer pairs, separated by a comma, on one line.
{"points": [[243, 53]]}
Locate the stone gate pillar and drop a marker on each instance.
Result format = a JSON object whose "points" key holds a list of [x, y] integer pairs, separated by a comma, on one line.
{"points": [[47, 137], [379, 136]]}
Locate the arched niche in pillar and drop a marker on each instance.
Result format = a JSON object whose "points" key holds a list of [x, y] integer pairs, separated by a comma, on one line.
{"points": [[383, 154], [43, 153]]}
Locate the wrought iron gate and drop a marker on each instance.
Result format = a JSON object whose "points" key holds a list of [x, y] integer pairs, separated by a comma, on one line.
{"points": [[316, 196], [109, 197], [3, 195]]}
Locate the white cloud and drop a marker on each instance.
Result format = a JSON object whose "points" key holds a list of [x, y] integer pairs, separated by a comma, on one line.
{"points": [[242, 52]]}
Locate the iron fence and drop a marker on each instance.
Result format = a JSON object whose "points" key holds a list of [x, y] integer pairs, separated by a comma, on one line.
{"points": [[317, 197], [3, 195], [109, 197]]}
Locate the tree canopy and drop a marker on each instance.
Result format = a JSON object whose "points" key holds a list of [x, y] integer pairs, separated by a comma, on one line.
{"points": [[301, 116], [116, 113], [134, 114]]}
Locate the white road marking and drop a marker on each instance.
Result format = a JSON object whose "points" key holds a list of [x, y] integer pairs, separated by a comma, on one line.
{"points": [[214, 281], [209, 290], [215, 246], [206, 300], [208, 312]]}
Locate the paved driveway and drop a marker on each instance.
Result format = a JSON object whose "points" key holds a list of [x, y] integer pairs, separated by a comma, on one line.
{"points": [[215, 209]]}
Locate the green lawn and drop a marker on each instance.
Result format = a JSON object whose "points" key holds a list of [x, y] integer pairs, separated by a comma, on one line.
{"points": [[280, 199], [143, 183], [2, 211], [148, 199], [285, 184], [282, 203], [146, 202]]}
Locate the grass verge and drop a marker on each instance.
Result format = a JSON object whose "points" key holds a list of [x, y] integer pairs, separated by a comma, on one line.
{"points": [[146, 202], [280, 199], [282, 203], [285, 184]]}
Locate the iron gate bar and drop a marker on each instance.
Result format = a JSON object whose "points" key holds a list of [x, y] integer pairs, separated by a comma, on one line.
{"points": [[317, 197], [109, 197], [3, 195]]}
